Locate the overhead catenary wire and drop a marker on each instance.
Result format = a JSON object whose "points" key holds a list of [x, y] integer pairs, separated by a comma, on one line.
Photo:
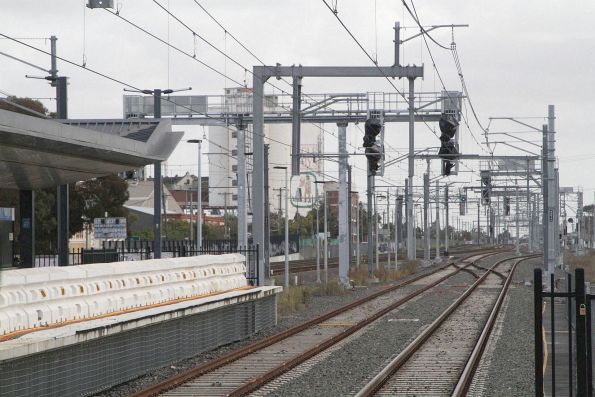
{"points": [[246, 70]]}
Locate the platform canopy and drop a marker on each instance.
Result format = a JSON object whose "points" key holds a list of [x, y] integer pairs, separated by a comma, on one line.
{"points": [[37, 153]]}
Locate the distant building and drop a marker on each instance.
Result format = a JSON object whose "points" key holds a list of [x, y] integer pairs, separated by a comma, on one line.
{"points": [[140, 204], [223, 152]]}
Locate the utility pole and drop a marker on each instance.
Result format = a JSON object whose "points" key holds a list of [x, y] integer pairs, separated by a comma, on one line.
{"points": [[158, 195], [62, 194]]}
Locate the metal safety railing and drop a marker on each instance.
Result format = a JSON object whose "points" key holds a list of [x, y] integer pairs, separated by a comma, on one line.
{"points": [[570, 341], [131, 250]]}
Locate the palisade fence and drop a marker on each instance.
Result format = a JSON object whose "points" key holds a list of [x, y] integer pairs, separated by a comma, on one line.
{"points": [[133, 250], [563, 335]]}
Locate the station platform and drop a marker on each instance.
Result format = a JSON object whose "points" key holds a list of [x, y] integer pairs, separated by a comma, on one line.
{"points": [[209, 305], [87, 357]]}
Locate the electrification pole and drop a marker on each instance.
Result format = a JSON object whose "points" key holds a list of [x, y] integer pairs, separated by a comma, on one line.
{"points": [[437, 258], [446, 221], [426, 228]]}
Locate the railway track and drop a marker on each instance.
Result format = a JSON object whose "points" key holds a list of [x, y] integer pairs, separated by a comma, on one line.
{"points": [[441, 361], [249, 368], [305, 265]]}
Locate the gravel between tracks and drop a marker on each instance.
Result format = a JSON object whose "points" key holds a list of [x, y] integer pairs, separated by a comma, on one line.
{"points": [[507, 367], [316, 306]]}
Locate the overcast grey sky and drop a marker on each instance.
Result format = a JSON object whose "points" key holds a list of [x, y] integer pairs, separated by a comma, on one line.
{"points": [[517, 58]]}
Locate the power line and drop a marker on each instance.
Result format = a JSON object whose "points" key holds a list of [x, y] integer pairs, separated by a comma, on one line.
{"points": [[423, 31]]}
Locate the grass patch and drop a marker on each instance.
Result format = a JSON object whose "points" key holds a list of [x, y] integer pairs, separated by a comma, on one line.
{"points": [[292, 299], [359, 276], [587, 262], [295, 298]]}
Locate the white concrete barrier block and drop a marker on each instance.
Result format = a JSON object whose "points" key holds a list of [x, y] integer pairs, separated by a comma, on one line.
{"points": [[33, 298]]}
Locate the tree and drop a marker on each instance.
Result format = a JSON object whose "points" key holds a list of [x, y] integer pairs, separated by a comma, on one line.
{"points": [[29, 103], [96, 197], [46, 227]]}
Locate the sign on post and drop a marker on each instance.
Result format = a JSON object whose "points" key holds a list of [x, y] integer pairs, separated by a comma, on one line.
{"points": [[109, 228], [303, 190]]}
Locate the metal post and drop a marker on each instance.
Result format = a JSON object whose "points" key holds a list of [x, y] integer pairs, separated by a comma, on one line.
{"points": [[537, 330], [517, 215], [317, 242], [199, 203], [478, 228], [388, 228], [553, 197], [579, 221], [343, 207], [349, 216], [286, 230], [241, 176], [267, 206], [446, 221], [411, 171], [547, 216], [437, 258], [157, 185], [370, 246], [258, 207], [62, 217], [529, 214], [375, 233], [397, 42], [581, 317], [295, 125], [27, 229], [426, 227], [397, 215], [325, 240], [357, 247]]}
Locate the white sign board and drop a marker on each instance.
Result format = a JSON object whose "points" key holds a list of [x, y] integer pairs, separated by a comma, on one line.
{"points": [[303, 190], [109, 228]]}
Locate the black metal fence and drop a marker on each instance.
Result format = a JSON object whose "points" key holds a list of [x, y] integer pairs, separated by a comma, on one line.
{"points": [[563, 336], [130, 250]]}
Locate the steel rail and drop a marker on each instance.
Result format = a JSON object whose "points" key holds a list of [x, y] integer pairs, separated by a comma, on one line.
{"points": [[200, 370], [468, 373], [387, 372]]}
